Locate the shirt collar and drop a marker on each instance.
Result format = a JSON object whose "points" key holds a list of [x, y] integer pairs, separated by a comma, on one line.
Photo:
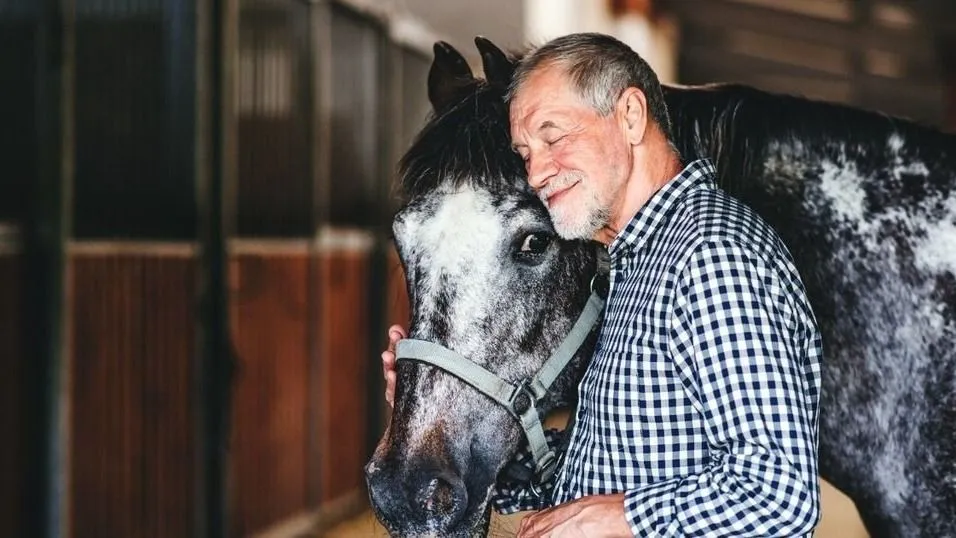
{"points": [[698, 173]]}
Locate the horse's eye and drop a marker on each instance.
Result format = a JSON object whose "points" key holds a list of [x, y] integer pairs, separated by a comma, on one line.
{"points": [[535, 243]]}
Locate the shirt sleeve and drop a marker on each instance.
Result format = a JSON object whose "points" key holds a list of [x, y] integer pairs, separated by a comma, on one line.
{"points": [[747, 355], [513, 494]]}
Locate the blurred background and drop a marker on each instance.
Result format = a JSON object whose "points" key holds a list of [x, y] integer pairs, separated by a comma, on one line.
{"points": [[195, 198]]}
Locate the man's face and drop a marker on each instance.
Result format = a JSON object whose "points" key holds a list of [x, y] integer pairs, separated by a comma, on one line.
{"points": [[577, 160]]}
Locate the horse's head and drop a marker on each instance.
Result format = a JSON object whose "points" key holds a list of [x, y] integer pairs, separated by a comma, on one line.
{"points": [[488, 279]]}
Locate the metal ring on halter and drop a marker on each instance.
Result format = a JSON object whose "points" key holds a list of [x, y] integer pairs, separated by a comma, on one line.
{"points": [[600, 284], [533, 488], [547, 469]]}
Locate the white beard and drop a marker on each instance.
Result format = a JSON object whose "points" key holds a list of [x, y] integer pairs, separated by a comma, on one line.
{"points": [[580, 214]]}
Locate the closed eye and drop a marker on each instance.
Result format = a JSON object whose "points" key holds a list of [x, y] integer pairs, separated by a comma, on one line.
{"points": [[556, 140]]}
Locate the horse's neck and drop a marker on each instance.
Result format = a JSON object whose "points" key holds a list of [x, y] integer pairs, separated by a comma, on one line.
{"points": [[750, 134]]}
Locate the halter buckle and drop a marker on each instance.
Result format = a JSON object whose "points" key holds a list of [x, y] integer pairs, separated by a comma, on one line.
{"points": [[522, 399]]}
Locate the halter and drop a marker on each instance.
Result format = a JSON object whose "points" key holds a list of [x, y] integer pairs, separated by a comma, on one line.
{"points": [[520, 399]]}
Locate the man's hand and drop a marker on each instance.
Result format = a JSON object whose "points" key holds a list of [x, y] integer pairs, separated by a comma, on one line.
{"points": [[588, 517], [395, 333]]}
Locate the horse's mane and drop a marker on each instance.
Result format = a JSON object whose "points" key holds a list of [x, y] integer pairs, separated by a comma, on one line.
{"points": [[468, 143], [736, 124]]}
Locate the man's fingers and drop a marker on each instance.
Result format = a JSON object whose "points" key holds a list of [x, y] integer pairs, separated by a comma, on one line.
{"points": [[390, 387], [526, 529], [388, 363], [395, 333], [388, 371], [521, 527]]}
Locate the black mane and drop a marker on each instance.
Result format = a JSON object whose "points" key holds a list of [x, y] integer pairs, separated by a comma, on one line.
{"points": [[734, 125], [468, 143]]}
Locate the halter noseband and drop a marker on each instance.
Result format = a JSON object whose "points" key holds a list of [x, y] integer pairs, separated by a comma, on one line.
{"points": [[520, 399]]}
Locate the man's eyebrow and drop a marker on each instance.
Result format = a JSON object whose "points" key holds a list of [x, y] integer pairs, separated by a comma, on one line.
{"points": [[547, 124]]}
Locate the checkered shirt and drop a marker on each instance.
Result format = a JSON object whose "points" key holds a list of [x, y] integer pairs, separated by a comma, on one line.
{"points": [[701, 402]]}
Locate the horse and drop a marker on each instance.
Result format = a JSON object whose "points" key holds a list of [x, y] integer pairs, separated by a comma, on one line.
{"points": [[864, 202]]}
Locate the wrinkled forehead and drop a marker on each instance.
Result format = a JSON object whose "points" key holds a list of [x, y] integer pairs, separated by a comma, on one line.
{"points": [[544, 87], [464, 225]]}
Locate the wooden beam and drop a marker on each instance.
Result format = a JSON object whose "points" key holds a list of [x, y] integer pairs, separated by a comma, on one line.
{"points": [[620, 8], [724, 64], [724, 14], [700, 64], [881, 64]]}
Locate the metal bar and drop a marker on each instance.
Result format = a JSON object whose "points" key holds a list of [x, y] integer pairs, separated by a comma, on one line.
{"points": [[320, 51], [46, 370], [214, 365], [179, 29]]}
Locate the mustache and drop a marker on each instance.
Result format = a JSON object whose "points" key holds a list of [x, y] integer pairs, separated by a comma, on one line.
{"points": [[558, 183]]}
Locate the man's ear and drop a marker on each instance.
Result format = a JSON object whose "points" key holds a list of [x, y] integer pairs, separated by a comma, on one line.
{"points": [[632, 112]]}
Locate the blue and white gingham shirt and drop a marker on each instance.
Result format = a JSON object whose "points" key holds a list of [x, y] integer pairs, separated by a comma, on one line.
{"points": [[701, 402]]}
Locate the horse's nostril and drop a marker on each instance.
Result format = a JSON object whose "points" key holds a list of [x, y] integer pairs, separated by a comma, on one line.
{"points": [[443, 496], [371, 468], [418, 500]]}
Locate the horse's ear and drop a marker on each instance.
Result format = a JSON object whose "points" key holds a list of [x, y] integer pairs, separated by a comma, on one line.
{"points": [[498, 67], [449, 75]]}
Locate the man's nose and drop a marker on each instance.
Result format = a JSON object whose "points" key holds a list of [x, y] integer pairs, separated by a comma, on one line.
{"points": [[541, 168]]}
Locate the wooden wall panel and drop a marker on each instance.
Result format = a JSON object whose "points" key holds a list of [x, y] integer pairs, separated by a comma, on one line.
{"points": [[270, 328], [107, 397], [10, 411], [169, 336], [343, 366], [133, 346], [133, 341]]}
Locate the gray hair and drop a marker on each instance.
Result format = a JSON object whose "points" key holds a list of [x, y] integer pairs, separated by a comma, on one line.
{"points": [[600, 68]]}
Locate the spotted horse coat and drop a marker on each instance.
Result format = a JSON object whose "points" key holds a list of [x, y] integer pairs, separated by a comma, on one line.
{"points": [[864, 201]]}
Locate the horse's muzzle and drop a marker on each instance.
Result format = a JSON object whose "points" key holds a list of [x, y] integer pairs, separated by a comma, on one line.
{"points": [[419, 500]]}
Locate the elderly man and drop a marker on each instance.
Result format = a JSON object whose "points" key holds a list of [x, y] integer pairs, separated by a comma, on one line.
{"points": [[698, 414]]}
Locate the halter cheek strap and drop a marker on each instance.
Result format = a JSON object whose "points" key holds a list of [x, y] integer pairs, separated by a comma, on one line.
{"points": [[520, 399]]}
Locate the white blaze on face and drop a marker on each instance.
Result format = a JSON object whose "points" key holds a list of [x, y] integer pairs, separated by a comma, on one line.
{"points": [[460, 247]]}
